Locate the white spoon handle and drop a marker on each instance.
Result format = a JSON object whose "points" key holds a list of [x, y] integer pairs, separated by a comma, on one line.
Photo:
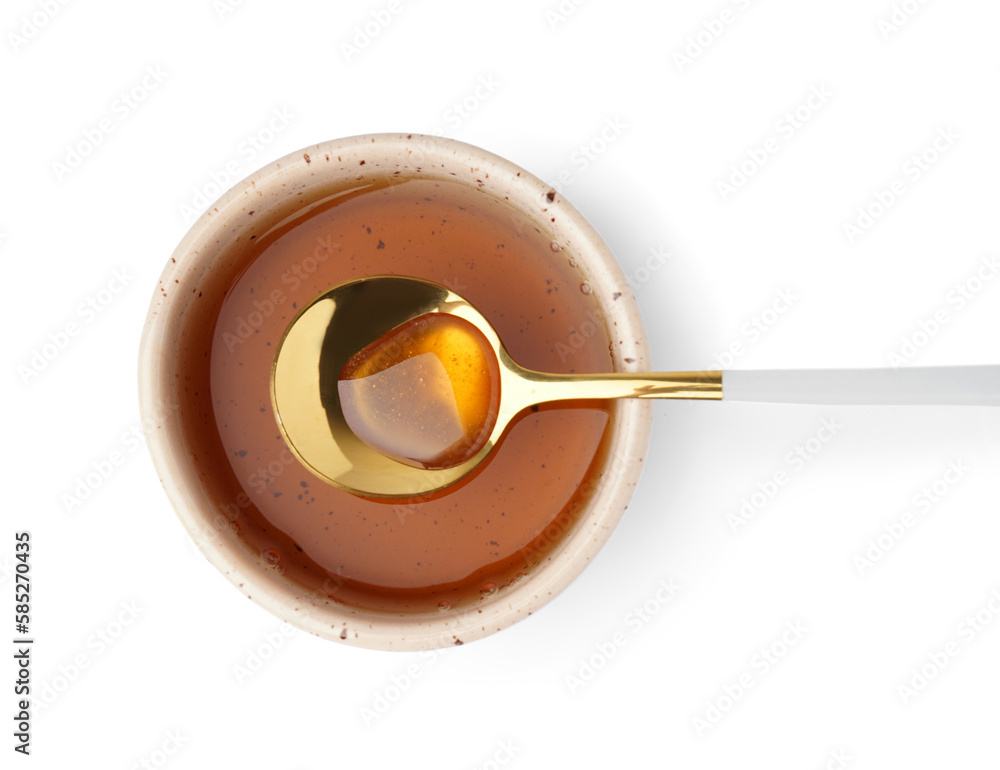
{"points": [[958, 385]]}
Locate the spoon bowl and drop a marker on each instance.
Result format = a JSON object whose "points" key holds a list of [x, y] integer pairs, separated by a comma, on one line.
{"points": [[310, 358]]}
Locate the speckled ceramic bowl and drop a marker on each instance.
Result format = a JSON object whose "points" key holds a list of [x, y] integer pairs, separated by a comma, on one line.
{"points": [[178, 333]]}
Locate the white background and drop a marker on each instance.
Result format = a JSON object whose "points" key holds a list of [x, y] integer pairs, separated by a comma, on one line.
{"points": [[168, 673]]}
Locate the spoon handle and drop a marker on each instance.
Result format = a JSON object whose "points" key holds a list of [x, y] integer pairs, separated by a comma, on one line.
{"points": [[530, 387], [955, 385]]}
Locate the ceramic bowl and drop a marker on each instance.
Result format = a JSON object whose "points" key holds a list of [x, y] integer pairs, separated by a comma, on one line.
{"points": [[177, 410]]}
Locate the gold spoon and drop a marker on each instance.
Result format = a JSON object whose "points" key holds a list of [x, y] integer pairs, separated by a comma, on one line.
{"points": [[324, 336], [323, 340]]}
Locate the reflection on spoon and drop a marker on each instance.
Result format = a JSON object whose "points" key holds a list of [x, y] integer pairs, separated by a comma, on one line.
{"points": [[426, 393]]}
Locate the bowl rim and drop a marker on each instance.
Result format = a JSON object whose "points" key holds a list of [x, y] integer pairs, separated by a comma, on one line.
{"points": [[432, 157]]}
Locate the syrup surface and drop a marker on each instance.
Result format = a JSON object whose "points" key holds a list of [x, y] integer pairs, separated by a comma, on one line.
{"points": [[416, 554]]}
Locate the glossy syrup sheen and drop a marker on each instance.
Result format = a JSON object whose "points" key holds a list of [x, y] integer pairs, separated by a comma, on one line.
{"points": [[479, 536], [426, 394]]}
